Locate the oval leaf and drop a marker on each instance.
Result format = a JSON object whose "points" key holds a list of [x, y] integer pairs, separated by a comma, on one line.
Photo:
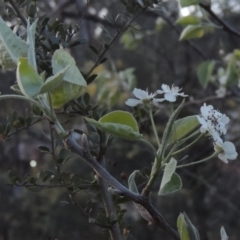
{"points": [[54, 81], [11, 46], [191, 31], [171, 182], [186, 3], [64, 93], [28, 79], [192, 231], [118, 123], [131, 182], [62, 59], [204, 72], [120, 117], [183, 127], [31, 31], [182, 228], [188, 20]]}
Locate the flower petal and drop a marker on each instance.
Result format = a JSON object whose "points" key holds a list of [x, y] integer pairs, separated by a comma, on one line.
{"points": [[230, 150], [133, 102], [139, 93], [171, 97]]}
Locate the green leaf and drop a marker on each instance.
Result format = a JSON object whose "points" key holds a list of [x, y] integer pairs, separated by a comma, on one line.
{"points": [[182, 128], [62, 59], [185, 3], [118, 123], [188, 20], [236, 54], [64, 93], [54, 81], [28, 79], [204, 72], [31, 31], [182, 228], [11, 47], [131, 182], [120, 117], [171, 182], [192, 231], [191, 31]]}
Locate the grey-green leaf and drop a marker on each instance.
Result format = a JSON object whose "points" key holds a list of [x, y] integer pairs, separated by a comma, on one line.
{"points": [[62, 59], [182, 128], [186, 3], [204, 72], [182, 228], [28, 79], [171, 182], [186, 229], [54, 81], [12, 47], [31, 31], [192, 231], [131, 182]]}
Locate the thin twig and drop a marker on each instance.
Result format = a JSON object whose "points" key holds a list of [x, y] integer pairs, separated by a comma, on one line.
{"points": [[23, 128], [224, 25], [44, 186], [178, 31], [200, 101], [19, 14], [115, 37]]}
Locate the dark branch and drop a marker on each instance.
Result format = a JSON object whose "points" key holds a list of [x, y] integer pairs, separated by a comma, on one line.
{"points": [[85, 155], [226, 27], [19, 14], [177, 31]]}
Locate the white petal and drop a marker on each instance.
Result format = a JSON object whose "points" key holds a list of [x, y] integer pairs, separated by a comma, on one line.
{"points": [[224, 119], [230, 150], [222, 157], [156, 100], [182, 95], [139, 93], [165, 88], [171, 97], [160, 91], [205, 109], [133, 102]]}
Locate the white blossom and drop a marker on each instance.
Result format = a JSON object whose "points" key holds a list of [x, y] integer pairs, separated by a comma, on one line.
{"points": [[226, 150], [170, 94], [143, 98], [221, 91], [213, 122]]}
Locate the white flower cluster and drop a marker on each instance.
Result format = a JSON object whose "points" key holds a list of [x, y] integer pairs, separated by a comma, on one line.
{"points": [[170, 94], [214, 124]]}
